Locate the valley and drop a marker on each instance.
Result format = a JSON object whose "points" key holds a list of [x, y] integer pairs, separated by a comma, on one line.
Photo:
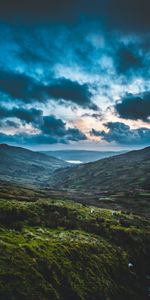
{"points": [[82, 156], [109, 183], [74, 232]]}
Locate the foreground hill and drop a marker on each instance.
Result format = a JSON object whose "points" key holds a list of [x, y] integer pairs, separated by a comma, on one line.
{"points": [[122, 173], [27, 167], [60, 250], [83, 156]]}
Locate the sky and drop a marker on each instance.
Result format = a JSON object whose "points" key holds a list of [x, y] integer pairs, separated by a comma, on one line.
{"points": [[75, 74]]}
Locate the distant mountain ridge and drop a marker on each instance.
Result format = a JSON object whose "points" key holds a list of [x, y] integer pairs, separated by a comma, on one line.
{"points": [[124, 172], [118, 182], [27, 167], [83, 156]]}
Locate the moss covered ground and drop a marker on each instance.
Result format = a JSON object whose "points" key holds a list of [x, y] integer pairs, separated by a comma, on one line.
{"points": [[54, 249]]}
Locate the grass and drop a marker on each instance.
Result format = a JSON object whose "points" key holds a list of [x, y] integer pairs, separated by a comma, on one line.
{"points": [[54, 249]]}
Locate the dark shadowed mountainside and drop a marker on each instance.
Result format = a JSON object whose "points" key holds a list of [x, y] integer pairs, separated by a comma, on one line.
{"points": [[119, 182], [27, 167], [122, 173]]}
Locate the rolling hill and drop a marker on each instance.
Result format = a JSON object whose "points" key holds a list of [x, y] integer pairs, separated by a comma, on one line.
{"points": [[27, 167], [119, 182], [53, 248], [63, 250], [121, 173]]}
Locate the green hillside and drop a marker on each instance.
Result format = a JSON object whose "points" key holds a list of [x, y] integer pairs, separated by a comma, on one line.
{"points": [[27, 167], [52, 250], [121, 173]]}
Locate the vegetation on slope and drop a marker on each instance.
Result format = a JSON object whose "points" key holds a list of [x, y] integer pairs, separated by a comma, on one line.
{"points": [[26, 167], [57, 249], [121, 173], [62, 250]]}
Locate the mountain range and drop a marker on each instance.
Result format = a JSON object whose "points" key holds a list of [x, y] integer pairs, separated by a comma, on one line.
{"points": [[121, 173], [81, 156], [118, 182]]}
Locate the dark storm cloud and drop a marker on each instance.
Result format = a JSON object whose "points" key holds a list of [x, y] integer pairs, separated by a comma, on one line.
{"points": [[31, 115], [122, 134], [74, 134], [11, 124], [4, 124], [52, 125], [25, 88], [41, 11], [134, 107], [71, 90], [88, 38], [56, 128], [48, 125], [40, 138], [119, 14], [129, 14], [51, 129], [28, 139], [28, 115], [128, 60], [19, 86]]}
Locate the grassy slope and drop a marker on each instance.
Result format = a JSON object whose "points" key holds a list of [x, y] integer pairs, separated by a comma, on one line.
{"points": [[126, 172], [61, 250], [27, 167]]}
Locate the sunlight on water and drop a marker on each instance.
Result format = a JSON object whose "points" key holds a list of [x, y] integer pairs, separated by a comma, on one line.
{"points": [[74, 161]]}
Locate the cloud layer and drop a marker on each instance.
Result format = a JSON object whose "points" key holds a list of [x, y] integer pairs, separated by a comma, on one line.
{"points": [[122, 134], [22, 87], [134, 107], [69, 66]]}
